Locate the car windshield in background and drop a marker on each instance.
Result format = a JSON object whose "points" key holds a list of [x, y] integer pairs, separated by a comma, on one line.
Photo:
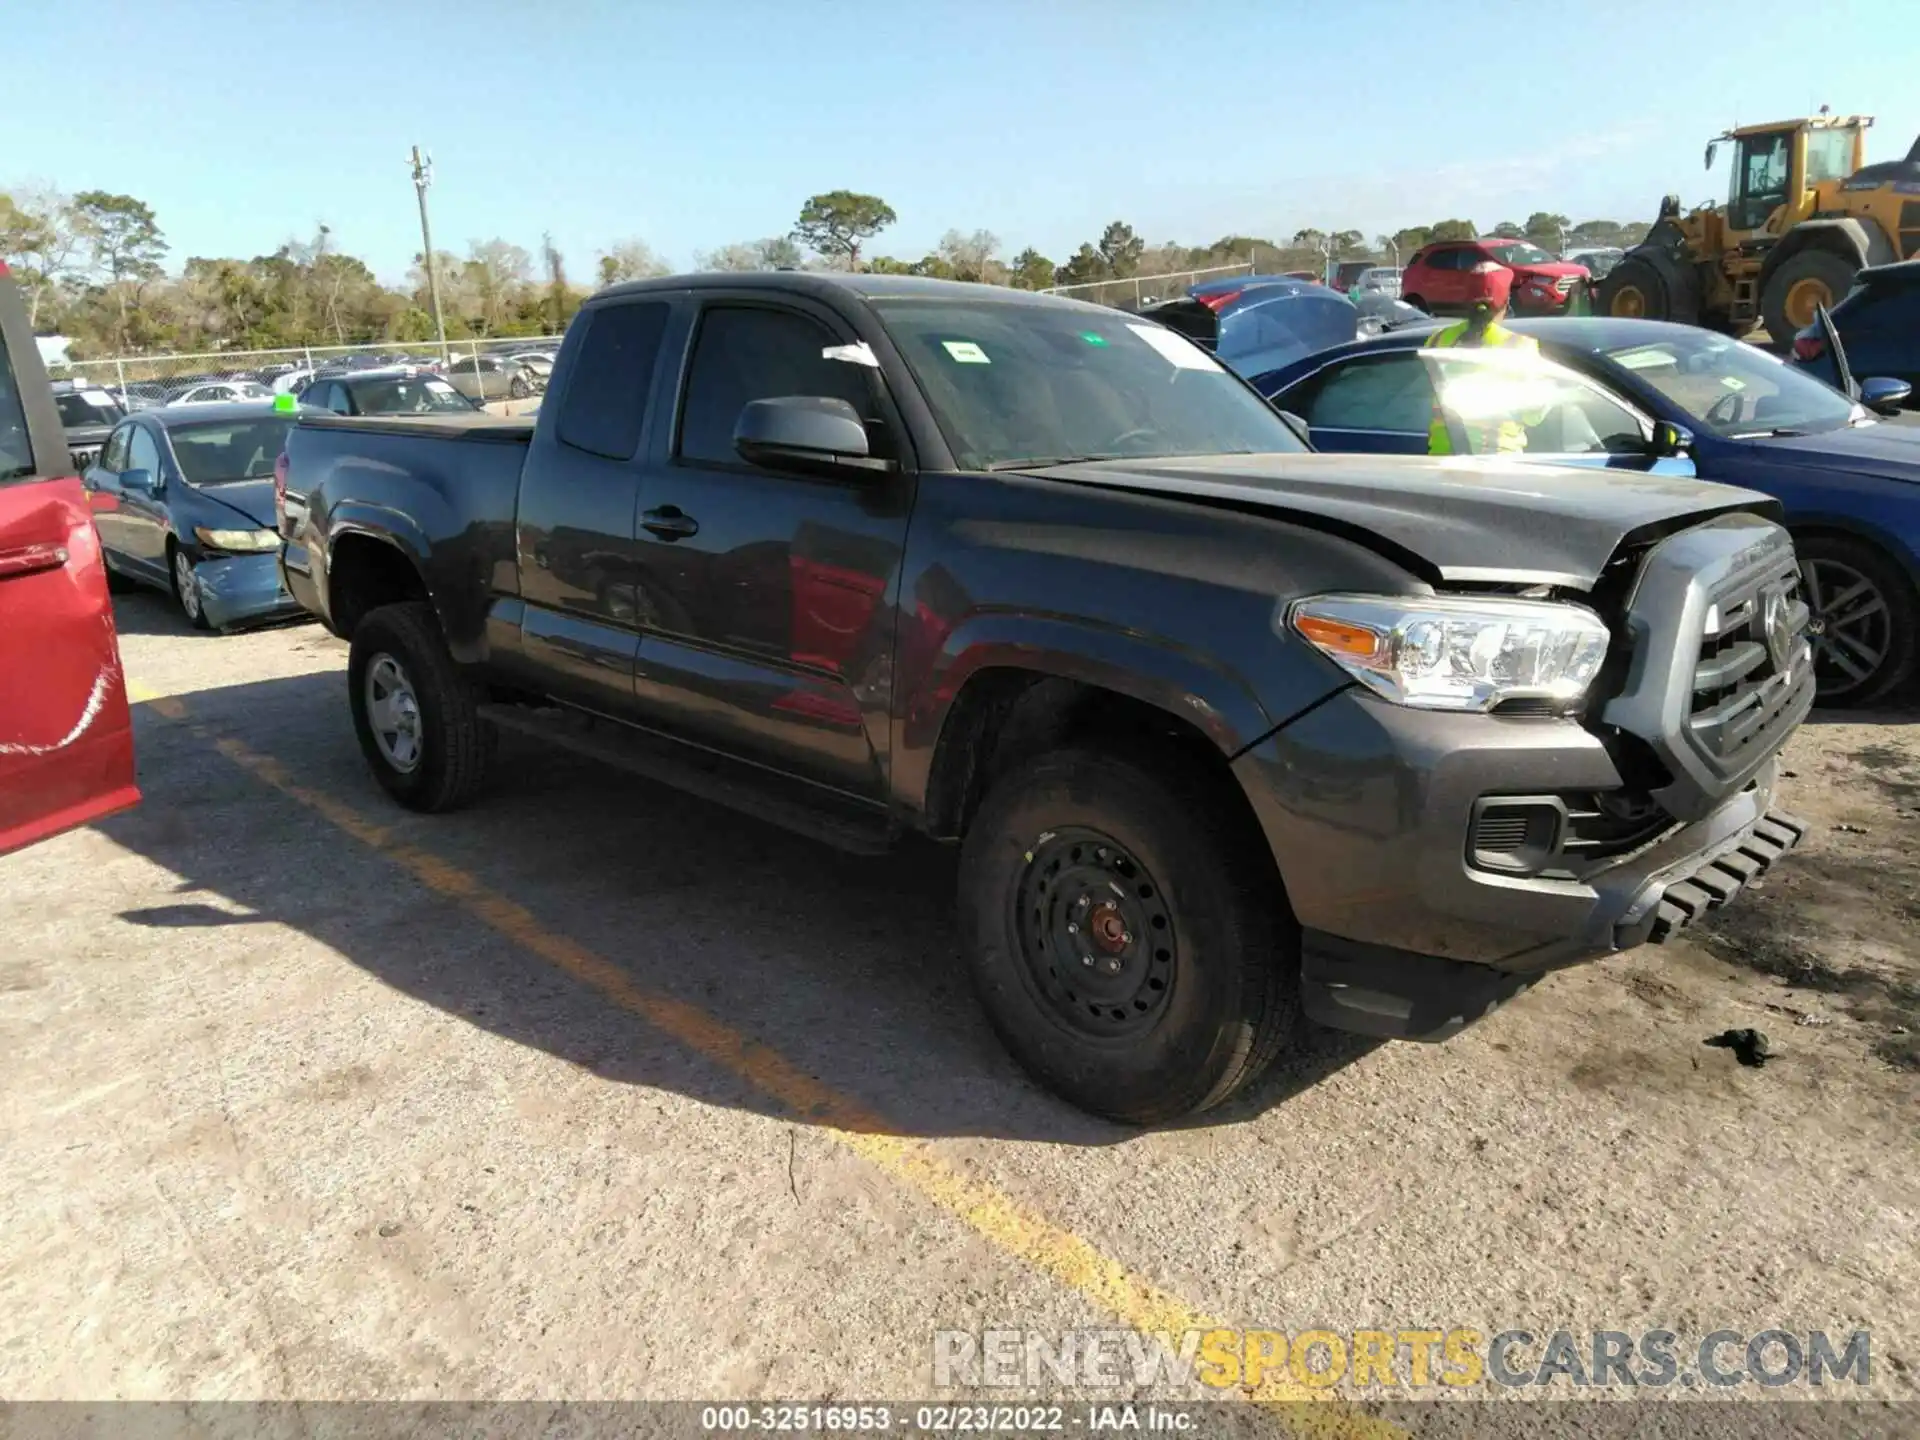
{"points": [[1520, 255], [229, 451], [1731, 389], [1016, 384], [416, 395], [87, 407]]}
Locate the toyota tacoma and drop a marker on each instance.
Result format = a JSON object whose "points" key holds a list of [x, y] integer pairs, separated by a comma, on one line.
{"points": [[1224, 729]]}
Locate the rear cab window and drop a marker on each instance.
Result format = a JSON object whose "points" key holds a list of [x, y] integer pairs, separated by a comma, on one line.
{"points": [[16, 450], [605, 402]]}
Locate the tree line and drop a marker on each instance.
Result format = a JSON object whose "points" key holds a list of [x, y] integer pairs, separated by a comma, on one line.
{"points": [[93, 266]]}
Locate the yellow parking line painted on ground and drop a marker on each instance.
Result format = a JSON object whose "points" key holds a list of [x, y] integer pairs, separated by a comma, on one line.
{"points": [[1014, 1228]]}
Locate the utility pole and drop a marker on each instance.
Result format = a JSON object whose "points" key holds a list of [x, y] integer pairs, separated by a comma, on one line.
{"points": [[422, 178]]}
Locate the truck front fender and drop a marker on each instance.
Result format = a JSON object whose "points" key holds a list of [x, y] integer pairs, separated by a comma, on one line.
{"points": [[1232, 707]]}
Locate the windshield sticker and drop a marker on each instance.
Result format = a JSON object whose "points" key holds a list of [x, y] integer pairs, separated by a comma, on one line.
{"points": [[858, 353], [1093, 337], [96, 397], [1181, 353], [1733, 382], [966, 352], [1648, 359], [438, 387]]}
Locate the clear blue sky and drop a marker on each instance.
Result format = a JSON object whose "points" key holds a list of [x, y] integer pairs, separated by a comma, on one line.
{"points": [[695, 124]]}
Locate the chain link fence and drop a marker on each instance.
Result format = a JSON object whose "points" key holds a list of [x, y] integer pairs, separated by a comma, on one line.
{"points": [[1139, 290], [482, 369]]}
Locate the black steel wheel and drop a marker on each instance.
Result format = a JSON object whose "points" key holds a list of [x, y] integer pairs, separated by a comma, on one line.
{"points": [[1863, 619], [1097, 941], [1126, 932]]}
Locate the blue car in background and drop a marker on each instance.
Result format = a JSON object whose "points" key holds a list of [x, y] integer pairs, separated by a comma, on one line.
{"points": [[1260, 322], [182, 498], [1850, 486]]}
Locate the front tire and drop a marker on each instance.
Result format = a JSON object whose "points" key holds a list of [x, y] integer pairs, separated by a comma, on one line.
{"points": [[518, 389], [1864, 607], [414, 713], [1634, 290], [186, 587], [1126, 937]]}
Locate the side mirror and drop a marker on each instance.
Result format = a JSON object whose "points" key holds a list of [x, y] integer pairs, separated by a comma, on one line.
{"points": [[1713, 149], [814, 433], [1670, 440], [1883, 395], [141, 481]]}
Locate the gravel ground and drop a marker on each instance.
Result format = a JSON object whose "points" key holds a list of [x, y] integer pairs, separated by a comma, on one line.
{"points": [[596, 1092]]}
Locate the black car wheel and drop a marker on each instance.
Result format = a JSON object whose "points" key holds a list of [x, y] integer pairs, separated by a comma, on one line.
{"points": [[186, 586], [518, 388], [1124, 938], [1863, 618], [1634, 290], [414, 712]]}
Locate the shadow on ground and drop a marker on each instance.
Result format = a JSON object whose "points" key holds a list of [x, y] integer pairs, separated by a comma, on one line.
{"points": [[847, 967]]}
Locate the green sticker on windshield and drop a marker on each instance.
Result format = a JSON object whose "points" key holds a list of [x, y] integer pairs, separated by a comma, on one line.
{"points": [[1093, 337], [285, 404]]}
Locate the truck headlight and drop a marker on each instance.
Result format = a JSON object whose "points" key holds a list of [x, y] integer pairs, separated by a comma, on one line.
{"points": [[1449, 652], [240, 542]]}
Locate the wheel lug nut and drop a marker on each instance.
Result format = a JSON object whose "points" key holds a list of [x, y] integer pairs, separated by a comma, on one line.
{"points": [[1113, 967], [1072, 929], [1086, 960]]}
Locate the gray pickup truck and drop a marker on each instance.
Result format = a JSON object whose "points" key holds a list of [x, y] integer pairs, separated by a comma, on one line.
{"points": [[1223, 727]]}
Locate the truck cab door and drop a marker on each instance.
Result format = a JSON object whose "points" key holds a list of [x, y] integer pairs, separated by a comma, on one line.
{"points": [[1764, 179], [767, 595], [66, 740]]}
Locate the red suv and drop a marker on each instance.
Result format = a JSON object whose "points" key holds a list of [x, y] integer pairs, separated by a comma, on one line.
{"points": [[1436, 279]]}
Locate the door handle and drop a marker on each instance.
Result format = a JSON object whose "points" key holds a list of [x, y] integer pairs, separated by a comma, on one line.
{"points": [[669, 522]]}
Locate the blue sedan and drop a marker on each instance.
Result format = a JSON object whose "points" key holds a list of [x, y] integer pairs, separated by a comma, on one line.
{"points": [[1850, 486], [182, 498]]}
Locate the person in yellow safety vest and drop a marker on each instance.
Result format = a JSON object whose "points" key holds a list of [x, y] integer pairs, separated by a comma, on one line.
{"points": [[1490, 289]]}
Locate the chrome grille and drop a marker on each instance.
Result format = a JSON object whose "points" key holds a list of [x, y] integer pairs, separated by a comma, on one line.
{"points": [[83, 456], [1754, 660]]}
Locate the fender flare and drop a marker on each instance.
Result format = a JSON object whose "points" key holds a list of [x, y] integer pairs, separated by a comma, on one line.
{"points": [[1865, 243], [1222, 705], [403, 534]]}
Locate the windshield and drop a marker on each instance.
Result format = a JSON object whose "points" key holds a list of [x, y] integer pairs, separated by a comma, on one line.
{"points": [[416, 395], [87, 407], [229, 452], [1517, 254], [1731, 389], [1030, 383]]}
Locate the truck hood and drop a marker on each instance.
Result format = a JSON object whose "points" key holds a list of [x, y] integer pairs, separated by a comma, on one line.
{"points": [[1452, 519]]}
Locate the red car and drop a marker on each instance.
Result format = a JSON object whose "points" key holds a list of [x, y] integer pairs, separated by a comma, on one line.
{"points": [[1436, 277], [66, 740]]}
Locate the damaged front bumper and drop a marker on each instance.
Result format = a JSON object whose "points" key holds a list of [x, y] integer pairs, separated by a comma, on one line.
{"points": [[244, 590]]}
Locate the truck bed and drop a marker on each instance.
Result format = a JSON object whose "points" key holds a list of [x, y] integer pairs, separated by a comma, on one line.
{"points": [[492, 429]]}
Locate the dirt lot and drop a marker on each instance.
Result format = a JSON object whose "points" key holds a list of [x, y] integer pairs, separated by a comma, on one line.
{"points": [[595, 1092]]}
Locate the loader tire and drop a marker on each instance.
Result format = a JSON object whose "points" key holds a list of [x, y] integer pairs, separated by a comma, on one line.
{"points": [[1635, 289], [1803, 282]]}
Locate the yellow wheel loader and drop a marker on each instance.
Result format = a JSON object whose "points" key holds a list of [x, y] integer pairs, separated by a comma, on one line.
{"points": [[1803, 216]]}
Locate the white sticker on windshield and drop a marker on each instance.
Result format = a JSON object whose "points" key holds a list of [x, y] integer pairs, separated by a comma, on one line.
{"points": [[858, 353], [966, 352], [437, 387], [96, 397], [1733, 382], [1644, 359], [1176, 350]]}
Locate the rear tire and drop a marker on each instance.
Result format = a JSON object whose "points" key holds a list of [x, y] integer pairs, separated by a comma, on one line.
{"points": [[1083, 862], [1856, 624], [1418, 303], [1802, 281], [518, 388], [417, 722]]}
